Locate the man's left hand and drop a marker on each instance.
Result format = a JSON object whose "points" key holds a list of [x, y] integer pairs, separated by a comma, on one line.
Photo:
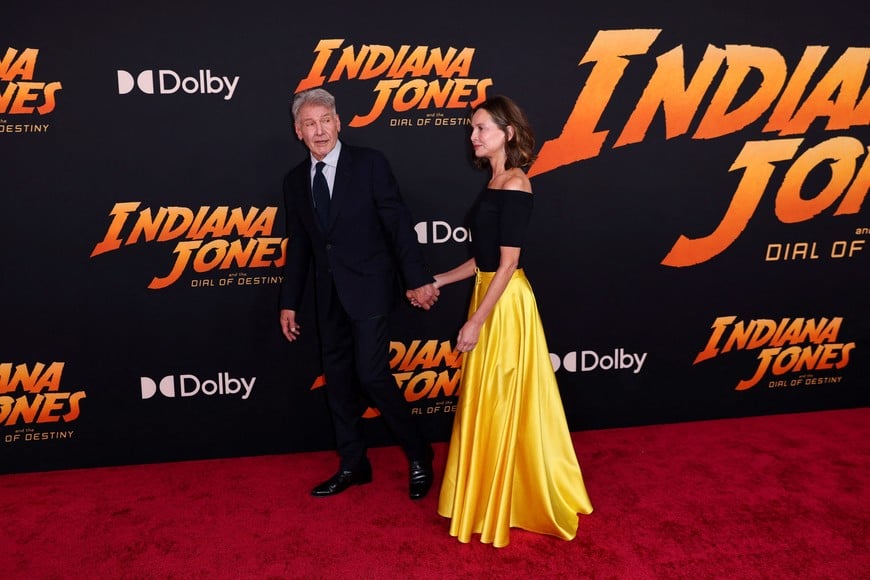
{"points": [[423, 297]]}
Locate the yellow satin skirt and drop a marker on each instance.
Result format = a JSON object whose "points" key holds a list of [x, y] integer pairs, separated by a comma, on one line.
{"points": [[511, 462]]}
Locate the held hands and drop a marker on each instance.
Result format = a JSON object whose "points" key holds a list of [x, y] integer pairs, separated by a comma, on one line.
{"points": [[289, 326], [423, 297]]}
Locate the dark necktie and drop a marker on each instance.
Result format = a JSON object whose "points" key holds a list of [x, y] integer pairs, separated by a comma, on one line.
{"points": [[320, 189]]}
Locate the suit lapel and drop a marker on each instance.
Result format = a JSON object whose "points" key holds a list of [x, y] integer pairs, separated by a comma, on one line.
{"points": [[341, 185], [306, 204]]}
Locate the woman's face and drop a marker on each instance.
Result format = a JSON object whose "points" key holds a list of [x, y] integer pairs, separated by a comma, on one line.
{"points": [[487, 138]]}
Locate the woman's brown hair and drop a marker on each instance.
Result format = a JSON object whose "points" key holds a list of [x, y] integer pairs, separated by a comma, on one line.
{"points": [[504, 112]]}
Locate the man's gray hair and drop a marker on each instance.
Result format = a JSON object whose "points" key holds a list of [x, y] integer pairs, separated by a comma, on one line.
{"points": [[312, 97]]}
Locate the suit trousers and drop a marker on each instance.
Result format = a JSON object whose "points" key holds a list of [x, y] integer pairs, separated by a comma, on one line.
{"points": [[356, 366]]}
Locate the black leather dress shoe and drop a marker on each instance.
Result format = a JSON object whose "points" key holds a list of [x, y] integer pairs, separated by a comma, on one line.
{"points": [[342, 480], [420, 479]]}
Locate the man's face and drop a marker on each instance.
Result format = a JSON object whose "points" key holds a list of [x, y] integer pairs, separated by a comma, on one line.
{"points": [[317, 126]]}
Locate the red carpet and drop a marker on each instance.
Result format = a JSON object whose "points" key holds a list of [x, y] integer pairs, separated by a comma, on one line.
{"points": [[765, 497]]}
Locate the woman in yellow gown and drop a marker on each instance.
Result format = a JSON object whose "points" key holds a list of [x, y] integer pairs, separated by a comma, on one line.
{"points": [[511, 462]]}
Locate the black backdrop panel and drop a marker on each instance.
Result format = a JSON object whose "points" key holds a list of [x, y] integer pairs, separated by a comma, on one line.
{"points": [[698, 248]]}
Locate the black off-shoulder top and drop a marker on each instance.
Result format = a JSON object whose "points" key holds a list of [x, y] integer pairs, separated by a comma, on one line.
{"points": [[498, 218]]}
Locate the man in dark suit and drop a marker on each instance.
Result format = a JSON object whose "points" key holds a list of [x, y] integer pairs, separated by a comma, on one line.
{"points": [[345, 216]]}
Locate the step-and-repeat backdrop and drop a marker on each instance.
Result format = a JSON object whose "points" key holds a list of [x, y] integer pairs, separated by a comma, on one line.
{"points": [[699, 247]]}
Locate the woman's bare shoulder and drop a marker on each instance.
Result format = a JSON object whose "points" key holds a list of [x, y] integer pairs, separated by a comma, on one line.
{"points": [[517, 180]]}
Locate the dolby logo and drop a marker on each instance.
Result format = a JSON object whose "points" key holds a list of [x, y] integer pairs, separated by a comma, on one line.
{"points": [[589, 360], [168, 82], [191, 385], [440, 232]]}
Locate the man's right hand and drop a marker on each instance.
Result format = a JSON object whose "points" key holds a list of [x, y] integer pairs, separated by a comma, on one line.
{"points": [[289, 327]]}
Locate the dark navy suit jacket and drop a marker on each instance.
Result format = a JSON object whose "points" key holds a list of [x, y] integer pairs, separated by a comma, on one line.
{"points": [[370, 239]]}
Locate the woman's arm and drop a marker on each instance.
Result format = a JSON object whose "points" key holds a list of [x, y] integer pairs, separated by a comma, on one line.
{"points": [[461, 272], [470, 331]]}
